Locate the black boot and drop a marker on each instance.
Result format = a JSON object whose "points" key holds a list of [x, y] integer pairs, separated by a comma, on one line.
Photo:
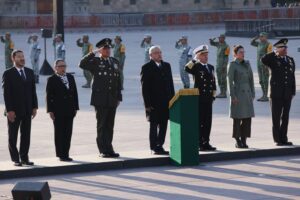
{"points": [[243, 140], [239, 143]]}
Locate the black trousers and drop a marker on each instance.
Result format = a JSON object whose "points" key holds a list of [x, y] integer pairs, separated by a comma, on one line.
{"points": [[24, 123], [63, 128], [105, 128], [157, 133], [205, 120], [280, 118], [241, 128]]}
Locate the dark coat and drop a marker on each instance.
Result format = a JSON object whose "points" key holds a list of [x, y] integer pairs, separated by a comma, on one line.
{"points": [[59, 99], [19, 95], [157, 89], [282, 76], [204, 80], [106, 86]]}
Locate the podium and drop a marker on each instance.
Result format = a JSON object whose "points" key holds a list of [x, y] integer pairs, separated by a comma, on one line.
{"points": [[184, 130]]}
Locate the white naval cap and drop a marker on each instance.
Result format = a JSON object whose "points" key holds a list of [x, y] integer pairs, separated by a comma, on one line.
{"points": [[147, 36], [201, 49]]}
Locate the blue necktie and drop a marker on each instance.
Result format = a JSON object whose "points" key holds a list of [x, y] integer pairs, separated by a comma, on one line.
{"points": [[22, 75]]}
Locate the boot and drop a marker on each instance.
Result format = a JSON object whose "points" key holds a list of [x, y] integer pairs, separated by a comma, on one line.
{"points": [[238, 144], [87, 85], [244, 144]]}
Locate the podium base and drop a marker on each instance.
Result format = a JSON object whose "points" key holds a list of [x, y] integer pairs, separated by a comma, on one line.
{"points": [[46, 69]]}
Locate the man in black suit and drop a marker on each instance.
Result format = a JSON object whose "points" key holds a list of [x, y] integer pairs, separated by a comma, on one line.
{"points": [[106, 93], [282, 89], [157, 89], [21, 106], [205, 81], [62, 106]]}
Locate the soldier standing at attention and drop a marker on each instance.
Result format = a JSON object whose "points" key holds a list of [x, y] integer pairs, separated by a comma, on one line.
{"points": [[223, 51], [86, 48], [185, 53], [60, 49], [119, 54], [146, 44], [205, 82], [35, 51], [263, 47], [8, 48], [106, 93], [282, 89]]}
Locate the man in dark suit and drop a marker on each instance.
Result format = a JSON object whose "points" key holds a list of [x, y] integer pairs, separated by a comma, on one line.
{"points": [[62, 106], [106, 93], [282, 89], [157, 89], [205, 81], [21, 106]]}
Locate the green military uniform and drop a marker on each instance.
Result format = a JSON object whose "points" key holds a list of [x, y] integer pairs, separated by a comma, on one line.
{"points": [[8, 48], [86, 48], [263, 72], [119, 54], [106, 95], [223, 51]]}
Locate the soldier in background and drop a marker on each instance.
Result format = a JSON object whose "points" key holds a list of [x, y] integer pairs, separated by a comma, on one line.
{"points": [[35, 51], [86, 47], [263, 47], [60, 49], [185, 53], [8, 49], [146, 44], [106, 93], [223, 51], [282, 89], [119, 54]]}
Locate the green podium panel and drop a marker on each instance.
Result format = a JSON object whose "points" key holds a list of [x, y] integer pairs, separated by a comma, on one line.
{"points": [[184, 132]]}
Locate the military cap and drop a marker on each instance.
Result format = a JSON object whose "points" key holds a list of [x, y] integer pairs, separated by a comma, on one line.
{"points": [[118, 38], [281, 43], [85, 36], [184, 37], [58, 35], [147, 36], [106, 42], [263, 34], [201, 49], [222, 36]]}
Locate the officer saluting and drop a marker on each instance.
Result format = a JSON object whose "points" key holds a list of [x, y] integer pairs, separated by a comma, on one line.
{"points": [[282, 89], [205, 82], [106, 93]]}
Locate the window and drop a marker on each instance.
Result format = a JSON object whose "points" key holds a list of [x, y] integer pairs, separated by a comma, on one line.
{"points": [[197, 1], [132, 2], [106, 2], [164, 1]]}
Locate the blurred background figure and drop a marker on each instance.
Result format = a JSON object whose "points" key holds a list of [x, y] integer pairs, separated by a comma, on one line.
{"points": [[119, 54], [185, 55], [146, 44], [35, 51], [8, 49], [59, 46], [86, 47]]}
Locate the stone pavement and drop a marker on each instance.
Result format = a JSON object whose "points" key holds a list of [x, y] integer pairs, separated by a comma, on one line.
{"points": [[252, 179]]}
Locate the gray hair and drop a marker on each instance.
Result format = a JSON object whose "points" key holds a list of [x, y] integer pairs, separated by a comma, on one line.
{"points": [[153, 48]]}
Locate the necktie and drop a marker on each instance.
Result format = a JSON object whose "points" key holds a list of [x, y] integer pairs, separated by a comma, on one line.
{"points": [[22, 75], [207, 68], [65, 80]]}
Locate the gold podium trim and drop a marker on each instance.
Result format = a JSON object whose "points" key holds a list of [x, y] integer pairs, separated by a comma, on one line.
{"points": [[183, 92]]}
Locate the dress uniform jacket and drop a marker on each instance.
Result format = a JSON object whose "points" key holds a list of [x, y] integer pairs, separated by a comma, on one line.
{"points": [[61, 100], [282, 80], [106, 86], [241, 86], [157, 89]]}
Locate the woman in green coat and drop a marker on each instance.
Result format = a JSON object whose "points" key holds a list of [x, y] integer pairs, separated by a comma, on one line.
{"points": [[242, 94]]}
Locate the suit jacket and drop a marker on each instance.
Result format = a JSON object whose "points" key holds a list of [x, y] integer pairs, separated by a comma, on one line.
{"points": [[106, 86], [282, 76], [157, 89], [19, 95], [204, 79], [61, 100]]}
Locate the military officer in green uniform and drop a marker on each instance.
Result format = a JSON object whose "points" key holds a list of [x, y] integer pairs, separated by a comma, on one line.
{"points": [[106, 93], [86, 47], [263, 47], [223, 51], [119, 54], [8, 48]]}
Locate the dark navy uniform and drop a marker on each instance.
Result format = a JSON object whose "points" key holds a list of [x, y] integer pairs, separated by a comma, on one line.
{"points": [[106, 95], [205, 82], [282, 89]]}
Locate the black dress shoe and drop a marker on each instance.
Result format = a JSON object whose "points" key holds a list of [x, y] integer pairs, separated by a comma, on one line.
{"points": [[110, 155], [17, 164], [207, 147], [27, 162], [161, 152], [67, 159], [287, 143]]}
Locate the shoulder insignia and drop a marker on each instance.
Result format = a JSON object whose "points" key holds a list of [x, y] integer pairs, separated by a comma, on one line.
{"points": [[190, 64]]}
